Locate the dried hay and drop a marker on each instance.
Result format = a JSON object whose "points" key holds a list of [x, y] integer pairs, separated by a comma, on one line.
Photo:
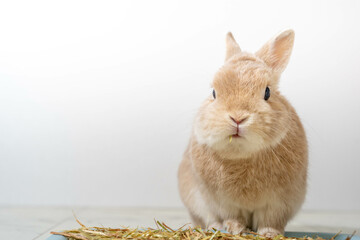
{"points": [[164, 232]]}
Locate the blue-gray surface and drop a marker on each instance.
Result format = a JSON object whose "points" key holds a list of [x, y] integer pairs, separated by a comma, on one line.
{"points": [[287, 234]]}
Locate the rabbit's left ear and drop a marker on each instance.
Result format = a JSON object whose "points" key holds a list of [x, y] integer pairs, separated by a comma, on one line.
{"points": [[276, 53], [232, 48]]}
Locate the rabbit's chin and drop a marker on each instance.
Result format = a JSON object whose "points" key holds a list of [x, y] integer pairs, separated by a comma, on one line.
{"points": [[236, 148]]}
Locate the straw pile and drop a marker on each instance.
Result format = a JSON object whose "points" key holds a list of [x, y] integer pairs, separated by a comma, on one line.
{"points": [[163, 232]]}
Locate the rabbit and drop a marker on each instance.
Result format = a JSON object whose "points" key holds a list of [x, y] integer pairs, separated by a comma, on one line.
{"points": [[245, 166]]}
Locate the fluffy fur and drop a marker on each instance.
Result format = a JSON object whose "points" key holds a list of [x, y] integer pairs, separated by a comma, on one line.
{"points": [[257, 180]]}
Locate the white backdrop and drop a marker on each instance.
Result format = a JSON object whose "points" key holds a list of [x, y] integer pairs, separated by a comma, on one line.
{"points": [[97, 97]]}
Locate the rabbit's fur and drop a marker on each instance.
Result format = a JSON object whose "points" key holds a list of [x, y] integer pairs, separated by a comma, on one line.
{"points": [[257, 180]]}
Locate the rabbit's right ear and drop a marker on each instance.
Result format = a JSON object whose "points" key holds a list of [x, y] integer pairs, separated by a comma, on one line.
{"points": [[232, 47]]}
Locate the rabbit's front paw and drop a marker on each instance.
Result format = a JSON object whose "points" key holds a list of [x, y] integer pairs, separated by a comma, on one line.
{"points": [[269, 232], [234, 226]]}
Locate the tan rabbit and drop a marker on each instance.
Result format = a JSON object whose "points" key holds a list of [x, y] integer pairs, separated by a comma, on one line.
{"points": [[246, 163]]}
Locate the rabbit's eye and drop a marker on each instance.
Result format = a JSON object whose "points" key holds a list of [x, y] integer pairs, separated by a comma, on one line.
{"points": [[214, 93], [267, 93]]}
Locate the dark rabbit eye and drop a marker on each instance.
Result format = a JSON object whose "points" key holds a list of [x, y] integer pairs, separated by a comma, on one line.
{"points": [[267, 93], [214, 94]]}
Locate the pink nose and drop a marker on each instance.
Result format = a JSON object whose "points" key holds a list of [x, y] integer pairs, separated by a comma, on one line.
{"points": [[238, 121]]}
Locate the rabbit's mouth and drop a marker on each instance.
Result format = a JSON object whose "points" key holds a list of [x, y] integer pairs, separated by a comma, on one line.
{"points": [[236, 135]]}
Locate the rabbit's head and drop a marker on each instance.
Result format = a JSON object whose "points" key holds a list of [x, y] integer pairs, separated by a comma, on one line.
{"points": [[245, 112]]}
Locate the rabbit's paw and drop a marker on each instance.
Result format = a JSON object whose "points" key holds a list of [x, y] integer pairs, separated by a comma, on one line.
{"points": [[269, 232], [234, 226]]}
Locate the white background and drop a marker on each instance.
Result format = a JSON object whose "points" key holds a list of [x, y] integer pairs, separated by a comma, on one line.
{"points": [[97, 97]]}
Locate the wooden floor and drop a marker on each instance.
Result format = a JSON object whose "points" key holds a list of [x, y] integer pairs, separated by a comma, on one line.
{"points": [[37, 222]]}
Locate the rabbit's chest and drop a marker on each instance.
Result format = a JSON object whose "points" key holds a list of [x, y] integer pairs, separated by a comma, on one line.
{"points": [[243, 183], [242, 180]]}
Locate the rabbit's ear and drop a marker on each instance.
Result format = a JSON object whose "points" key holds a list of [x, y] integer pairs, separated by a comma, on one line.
{"points": [[277, 51], [232, 47]]}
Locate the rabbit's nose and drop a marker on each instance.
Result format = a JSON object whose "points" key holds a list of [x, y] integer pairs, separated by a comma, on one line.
{"points": [[238, 121]]}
